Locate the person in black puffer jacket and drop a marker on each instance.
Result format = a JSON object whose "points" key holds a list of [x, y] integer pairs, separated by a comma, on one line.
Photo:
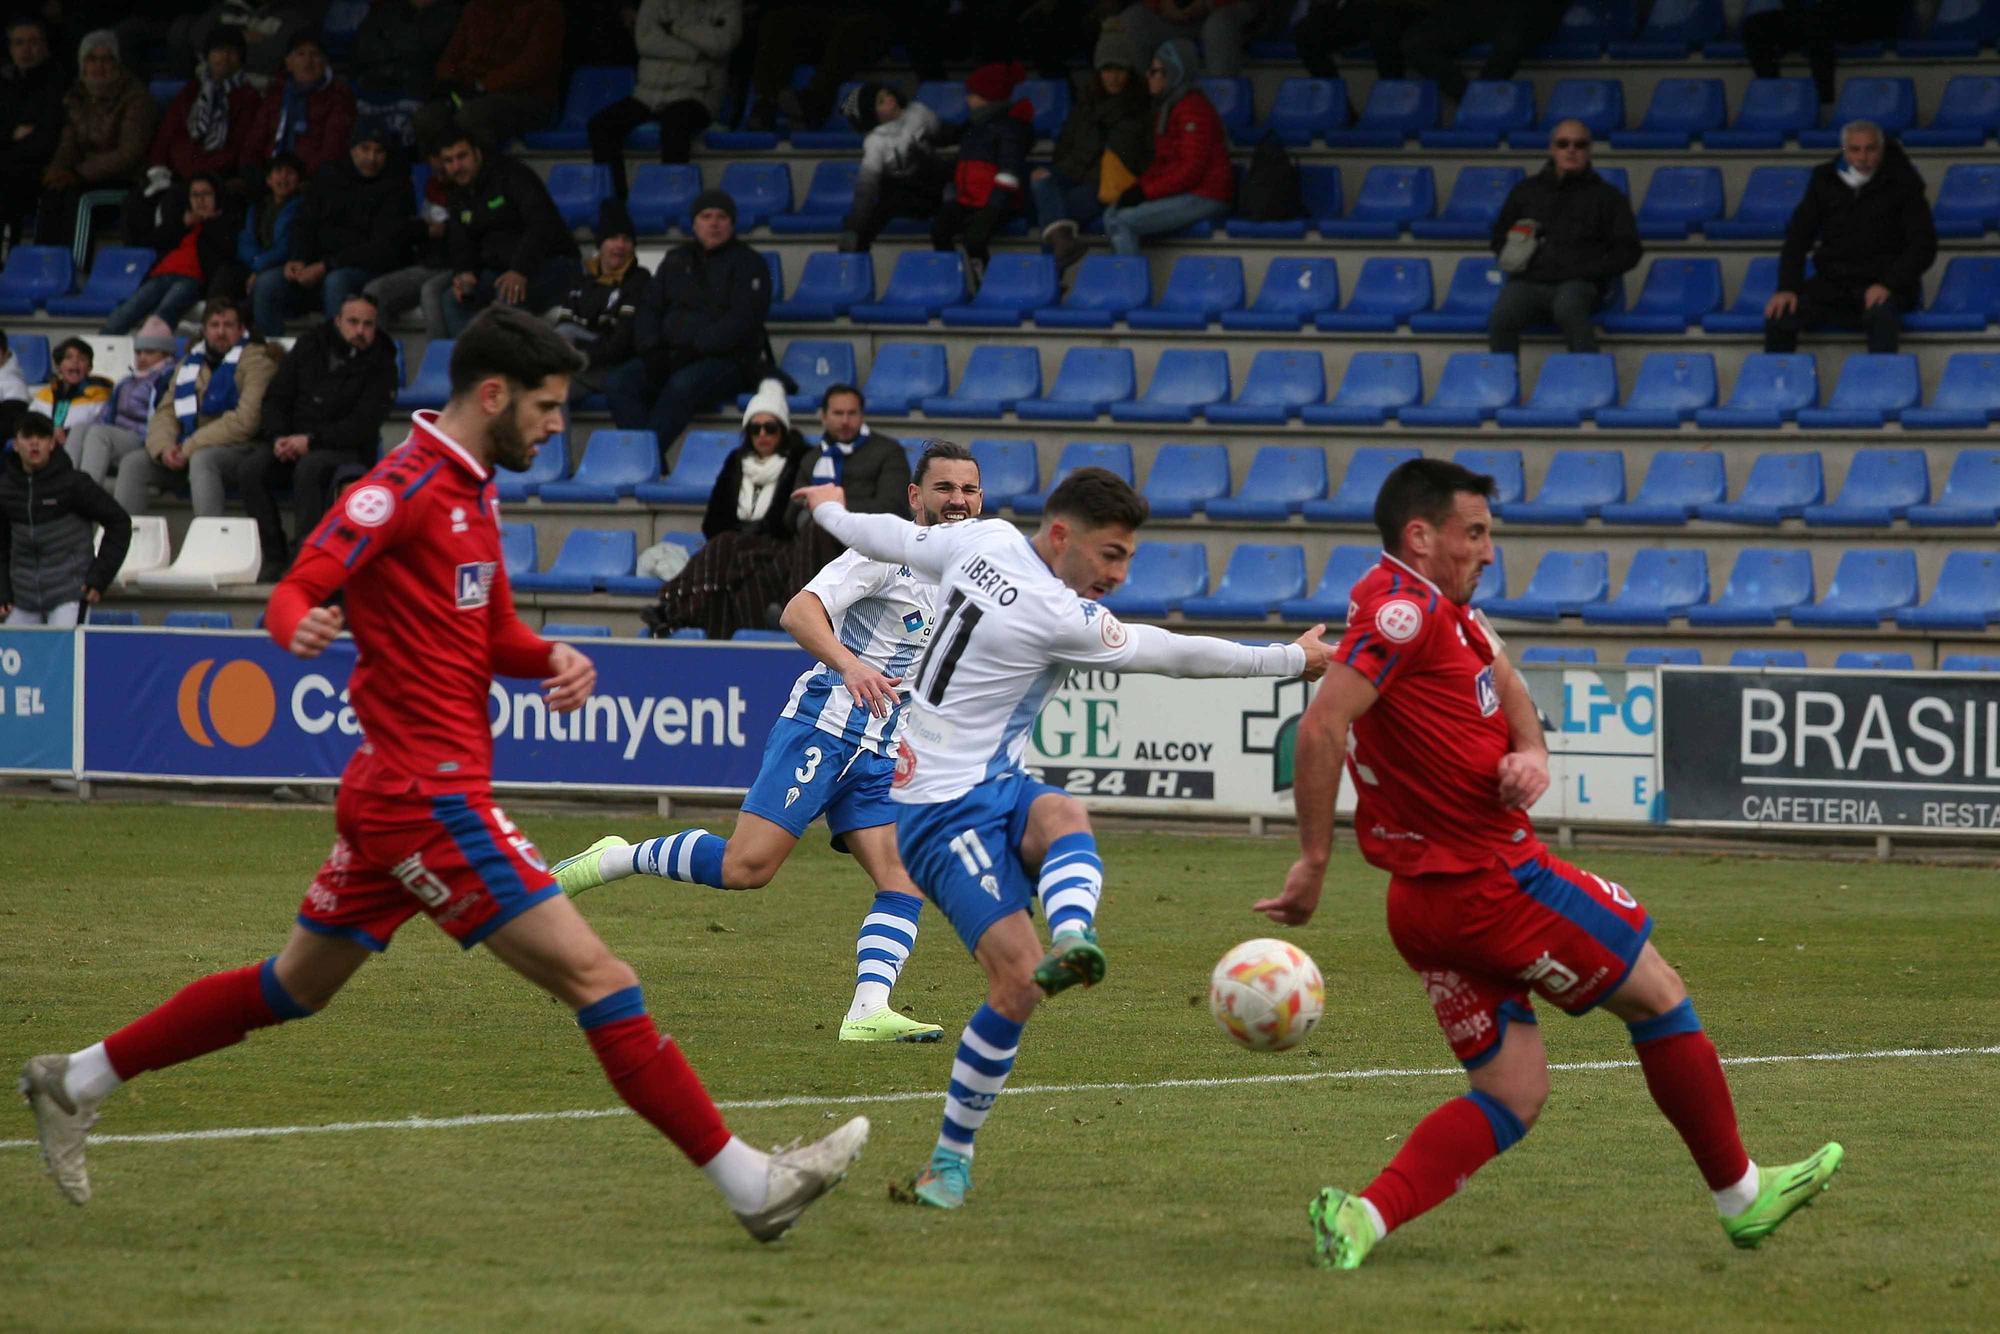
{"points": [[1866, 214], [1587, 239], [600, 316], [1112, 115], [47, 511], [507, 242]]}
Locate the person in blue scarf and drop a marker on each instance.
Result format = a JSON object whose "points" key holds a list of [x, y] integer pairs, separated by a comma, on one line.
{"points": [[310, 113]]}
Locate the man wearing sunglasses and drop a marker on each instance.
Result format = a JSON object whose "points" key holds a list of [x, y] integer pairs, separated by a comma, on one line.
{"points": [[1565, 236]]}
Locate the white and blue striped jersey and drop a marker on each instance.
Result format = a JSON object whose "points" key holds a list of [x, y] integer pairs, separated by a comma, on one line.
{"points": [[1008, 631], [882, 614]]}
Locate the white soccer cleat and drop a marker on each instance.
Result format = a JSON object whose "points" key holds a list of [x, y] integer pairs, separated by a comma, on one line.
{"points": [[800, 1175], [62, 1123]]}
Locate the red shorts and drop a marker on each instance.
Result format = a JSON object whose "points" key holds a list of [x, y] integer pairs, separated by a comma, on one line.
{"points": [[1483, 941], [458, 858]]}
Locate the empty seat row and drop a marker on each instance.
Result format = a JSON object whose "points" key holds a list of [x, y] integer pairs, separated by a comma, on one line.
{"points": [[590, 561]]}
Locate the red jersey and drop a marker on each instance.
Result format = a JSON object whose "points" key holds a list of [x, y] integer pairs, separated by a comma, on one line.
{"points": [[1425, 759], [417, 543]]}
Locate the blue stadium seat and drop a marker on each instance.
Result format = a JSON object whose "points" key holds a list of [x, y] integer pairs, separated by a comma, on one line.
{"points": [[1303, 109], [1958, 28], [832, 133], [1678, 292], [1770, 197], [1598, 103], [1115, 456], [1468, 301], [1617, 179], [164, 91], [753, 635], [646, 585], [102, 616], [1492, 580], [692, 478], [1008, 470], [831, 285], [1967, 398], [1558, 655], [31, 355], [761, 190], [1780, 486], [1345, 567], [1572, 386], [1563, 584], [1199, 288], [1669, 391], [431, 385], [1280, 481], [1868, 586], [1388, 292], [1673, 29], [591, 89], [946, 98], [33, 274], [1967, 596], [574, 630], [1649, 656], [923, 283], [1874, 660], [1295, 290], [1772, 111], [588, 557], [815, 365], [1881, 486], [1488, 110], [1968, 297], [1103, 289], [1890, 102], [1163, 576], [1764, 584], [1680, 111], [1770, 389], [1476, 196], [1184, 478], [1231, 98], [578, 189], [1259, 576], [1768, 657], [551, 464], [1661, 584], [1375, 386], [1278, 386], [1679, 201], [1971, 495], [1584, 29], [1968, 111], [1051, 100], [1185, 380], [1089, 381], [1474, 386], [114, 275], [1015, 285], [197, 620], [903, 375], [517, 548], [1873, 388], [1746, 313], [1319, 191], [661, 195], [1502, 465], [613, 464], [1396, 110], [1968, 200], [1390, 199], [829, 199], [1354, 500], [995, 379], [1950, 662], [1677, 482], [1578, 483]]}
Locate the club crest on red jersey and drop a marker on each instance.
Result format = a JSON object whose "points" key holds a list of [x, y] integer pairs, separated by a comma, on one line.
{"points": [[370, 506], [1399, 620]]}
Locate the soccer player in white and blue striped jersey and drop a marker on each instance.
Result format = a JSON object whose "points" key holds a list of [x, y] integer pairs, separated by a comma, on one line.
{"points": [[831, 753]]}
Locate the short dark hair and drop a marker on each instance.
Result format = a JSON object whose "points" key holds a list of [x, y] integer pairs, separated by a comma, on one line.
{"points": [[833, 391], [1423, 489], [218, 305], [509, 342], [359, 295], [35, 426], [69, 345], [291, 160], [941, 451], [448, 135], [1097, 497]]}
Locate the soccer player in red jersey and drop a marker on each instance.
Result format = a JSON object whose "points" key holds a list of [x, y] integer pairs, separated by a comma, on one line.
{"points": [[416, 546], [1447, 755]]}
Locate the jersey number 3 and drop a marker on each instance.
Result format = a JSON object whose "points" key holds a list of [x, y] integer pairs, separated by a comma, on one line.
{"points": [[804, 773]]}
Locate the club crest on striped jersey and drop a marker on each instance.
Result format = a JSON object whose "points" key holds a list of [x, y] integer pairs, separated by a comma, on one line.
{"points": [[1399, 620]]}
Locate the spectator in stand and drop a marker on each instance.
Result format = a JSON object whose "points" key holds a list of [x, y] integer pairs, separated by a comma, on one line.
{"points": [[205, 247], [73, 398], [599, 317], [1773, 27], [684, 48], [1330, 26], [322, 413], [507, 243], [206, 425], [351, 228], [48, 570], [31, 122], [1224, 26], [1564, 237], [902, 174], [500, 75], [987, 184], [1868, 226], [838, 38], [424, 281], [268, 27], [1110, 117], [700, 329], [1432, 46], [208, 124], [120, 428], [1190, 179], [872, 468], [394, 61], [108, 121], [264, 245], [14, 387], [310, 113]]}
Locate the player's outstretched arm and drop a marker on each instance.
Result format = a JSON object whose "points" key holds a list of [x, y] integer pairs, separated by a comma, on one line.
{"points": [[1524, 770], [1321, 750], [805, 620], [1148, 648], [878, 536]]}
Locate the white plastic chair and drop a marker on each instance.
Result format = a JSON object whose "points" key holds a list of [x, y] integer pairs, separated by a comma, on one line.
{"points": [[215, 552], [151, 549]]}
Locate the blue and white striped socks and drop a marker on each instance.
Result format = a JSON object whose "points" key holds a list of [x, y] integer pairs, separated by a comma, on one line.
{"points": [[985, 1056], [1072, 879], [693, 855], [888, 934]]}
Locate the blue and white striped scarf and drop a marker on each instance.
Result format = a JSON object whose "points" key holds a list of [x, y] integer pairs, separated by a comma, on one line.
{"points": [[831, 465], [218, 398]]}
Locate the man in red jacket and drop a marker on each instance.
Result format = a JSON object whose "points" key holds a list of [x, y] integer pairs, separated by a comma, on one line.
{"points": [[309, 113], [1190, 180]]}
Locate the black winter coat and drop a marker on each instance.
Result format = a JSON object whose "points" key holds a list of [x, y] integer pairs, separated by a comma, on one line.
{"points": [[348, 221], [721, 515], [1881, 233], [1121, 124], [505, 220], [33, 99], [705, 303], [1587, 226], [45, 537], [335, 396], [608, 311]]}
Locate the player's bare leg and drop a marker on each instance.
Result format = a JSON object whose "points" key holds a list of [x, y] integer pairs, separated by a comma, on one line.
{"points": [[65, 1090], [883, 945], [553, 947], [1685, 1077], [1060, 848]]}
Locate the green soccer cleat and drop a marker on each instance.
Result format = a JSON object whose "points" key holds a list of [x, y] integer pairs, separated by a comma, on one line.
{"points": [[1784, 1191], [1343, 1233], [885, 1025], [578, 873], [1073, 960], [943, 1183]]}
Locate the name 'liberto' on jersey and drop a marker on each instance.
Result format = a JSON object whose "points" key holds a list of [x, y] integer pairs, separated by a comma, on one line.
{"points": [[883, 615]]}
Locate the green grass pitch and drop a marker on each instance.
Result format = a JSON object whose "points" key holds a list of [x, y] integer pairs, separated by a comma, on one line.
{"points": [[1137, 1206]]}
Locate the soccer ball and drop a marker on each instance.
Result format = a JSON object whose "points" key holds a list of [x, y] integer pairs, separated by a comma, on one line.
{"points": [[1267, 994]]}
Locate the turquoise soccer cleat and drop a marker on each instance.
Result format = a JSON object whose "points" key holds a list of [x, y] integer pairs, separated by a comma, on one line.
{"points": [[1074, 959], [944, 1181]]}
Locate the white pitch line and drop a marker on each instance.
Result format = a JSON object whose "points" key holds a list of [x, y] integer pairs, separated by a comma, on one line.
{"points": [[929, 1095]]}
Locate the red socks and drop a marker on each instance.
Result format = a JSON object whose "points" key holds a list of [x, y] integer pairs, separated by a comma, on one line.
{"points": [[202, 1017], [1685, 1077], [1445, 1149], [652, 1076]]}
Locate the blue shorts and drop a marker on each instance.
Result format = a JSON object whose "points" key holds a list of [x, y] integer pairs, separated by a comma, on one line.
{"points": [[807, 773], [965, 854]]}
